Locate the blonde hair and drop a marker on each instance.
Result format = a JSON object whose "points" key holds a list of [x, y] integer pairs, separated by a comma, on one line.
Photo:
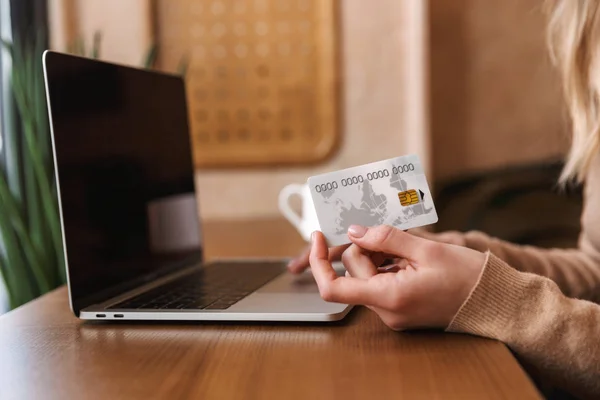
{"points": [[574, 41]]}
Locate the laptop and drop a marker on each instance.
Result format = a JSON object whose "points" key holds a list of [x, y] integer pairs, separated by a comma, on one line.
{"points": [[129, 217]]}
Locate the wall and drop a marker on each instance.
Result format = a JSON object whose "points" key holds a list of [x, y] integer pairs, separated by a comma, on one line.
{"points": [[495, 97], [384, 113], [126, 27]]}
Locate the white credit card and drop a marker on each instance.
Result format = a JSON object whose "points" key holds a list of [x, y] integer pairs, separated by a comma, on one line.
{"points": [[389, 192]]}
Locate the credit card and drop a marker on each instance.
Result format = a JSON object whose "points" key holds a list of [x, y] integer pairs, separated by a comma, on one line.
{"points": [[389, 192]]}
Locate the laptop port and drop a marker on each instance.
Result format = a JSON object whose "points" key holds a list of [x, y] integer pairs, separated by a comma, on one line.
{"points": [[100, 315], [118, 315]]}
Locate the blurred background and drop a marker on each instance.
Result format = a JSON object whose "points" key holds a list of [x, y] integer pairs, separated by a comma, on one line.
{"points": [[279, 90]]}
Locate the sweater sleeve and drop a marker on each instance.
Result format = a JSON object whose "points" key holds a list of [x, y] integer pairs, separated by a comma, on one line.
{"points": [[575, 271], [557, 336]]}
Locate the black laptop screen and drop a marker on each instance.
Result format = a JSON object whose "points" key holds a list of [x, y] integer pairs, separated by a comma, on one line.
{"points": [[124, 166]]}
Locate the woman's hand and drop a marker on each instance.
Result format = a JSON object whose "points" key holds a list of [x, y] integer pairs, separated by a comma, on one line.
{"points": [[425, 289], [300, 263], [449, 237]]}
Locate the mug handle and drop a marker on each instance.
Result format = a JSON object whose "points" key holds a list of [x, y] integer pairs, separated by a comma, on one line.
{"points": [[284, 204]]}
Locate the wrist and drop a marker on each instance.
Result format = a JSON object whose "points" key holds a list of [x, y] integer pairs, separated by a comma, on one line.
{"points": [[493, 301], [472, 278]]}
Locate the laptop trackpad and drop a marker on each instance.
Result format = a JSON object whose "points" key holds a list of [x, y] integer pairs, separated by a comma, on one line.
{"points": [[303, 283]]}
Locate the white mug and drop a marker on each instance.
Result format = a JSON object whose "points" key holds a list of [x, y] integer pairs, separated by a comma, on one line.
{"points": [[173, 224], [306, 223]]}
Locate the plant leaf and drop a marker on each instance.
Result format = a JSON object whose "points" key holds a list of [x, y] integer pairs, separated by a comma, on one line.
{"points": [[150, 58], [39, 102], [35, 218], [12, 155], [8, 46], [34, 258], [9, 282], [183, 66], [96, 45], [49, 202], [29, 250], [80, 47], [18, 280], [22, 82]]}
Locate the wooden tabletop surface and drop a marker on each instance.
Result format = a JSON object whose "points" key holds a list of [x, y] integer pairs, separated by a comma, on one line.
{"points": [[46, 353]]}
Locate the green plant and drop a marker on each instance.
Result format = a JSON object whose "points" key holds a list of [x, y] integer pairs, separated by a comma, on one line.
{"points": [[78, 48], [31, 258], [151, 56]]}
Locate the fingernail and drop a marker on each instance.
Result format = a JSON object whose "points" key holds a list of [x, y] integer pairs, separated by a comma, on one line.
{"points": [[291, 263], [312, 237], [357, 231]]}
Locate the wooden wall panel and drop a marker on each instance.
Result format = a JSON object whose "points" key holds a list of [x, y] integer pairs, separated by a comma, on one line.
{"points": [[262, 77]]}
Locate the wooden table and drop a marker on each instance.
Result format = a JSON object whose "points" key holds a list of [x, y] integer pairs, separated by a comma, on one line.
{"points": [[46, 353]]}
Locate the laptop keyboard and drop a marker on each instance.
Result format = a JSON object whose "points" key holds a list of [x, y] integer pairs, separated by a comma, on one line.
{"points": [[215, 287]]}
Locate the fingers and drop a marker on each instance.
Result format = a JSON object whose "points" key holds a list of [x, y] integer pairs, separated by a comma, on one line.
{"points": [[400, 264], [449, 237], [336, 289], [300, 263], [359, 263], [387, 239]]}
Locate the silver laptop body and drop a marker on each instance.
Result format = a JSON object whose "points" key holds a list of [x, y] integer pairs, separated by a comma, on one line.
{"points": [[131, 233]]}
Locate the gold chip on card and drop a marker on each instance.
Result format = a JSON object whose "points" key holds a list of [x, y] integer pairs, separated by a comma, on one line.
{"points": [[409, 197]]}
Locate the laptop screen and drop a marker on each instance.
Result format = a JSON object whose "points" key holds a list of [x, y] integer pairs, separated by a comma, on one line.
{"points": [[125, 172]]}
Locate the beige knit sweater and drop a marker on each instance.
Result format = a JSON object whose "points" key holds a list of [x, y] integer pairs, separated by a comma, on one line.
{"points": [[541, 302]]}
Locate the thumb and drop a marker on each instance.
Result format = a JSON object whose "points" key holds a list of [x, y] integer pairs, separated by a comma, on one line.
{"points": [[386, 239]]}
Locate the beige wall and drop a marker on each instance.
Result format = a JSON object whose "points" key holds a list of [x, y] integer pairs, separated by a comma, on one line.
{"points": [[126, 27], [384, 113], [495, 99]]}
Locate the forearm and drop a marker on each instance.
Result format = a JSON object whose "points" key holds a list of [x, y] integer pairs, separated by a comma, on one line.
{"points": [[558, 336], [575, 271]]}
